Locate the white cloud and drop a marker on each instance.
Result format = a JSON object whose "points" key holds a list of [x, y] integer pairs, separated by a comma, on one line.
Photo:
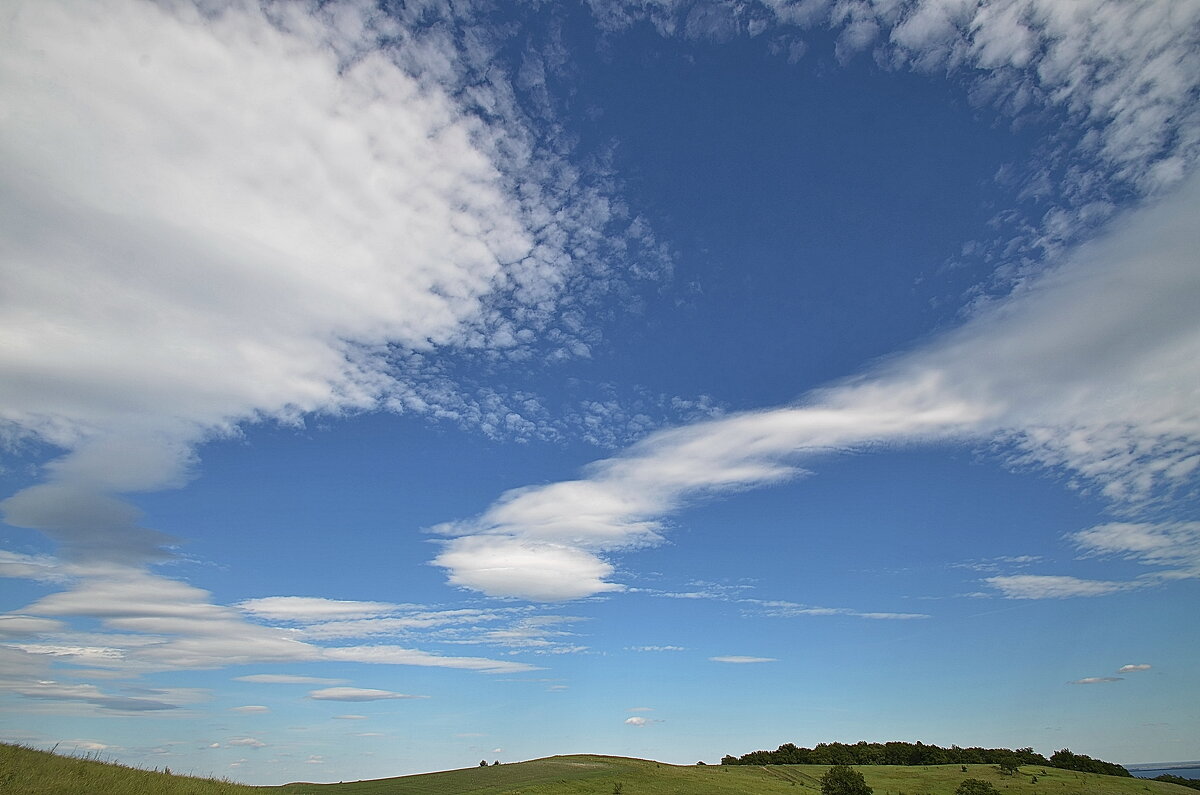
{"points": [[154, 623], [396, 655], [639, 722], [222, 245], [313, 609], [87, 745], [1175, 545], [783, 609], [185, 249], [1095, 680], [1172, 547], [31, 567], [16, 625], [509, 566], [1129, 669], [656, 648], [247, 742], [251, 709], [87, 694], [1041, 586], [1126, 71], [741, 660], [356, 694], [287, 679], [1092, 367]]}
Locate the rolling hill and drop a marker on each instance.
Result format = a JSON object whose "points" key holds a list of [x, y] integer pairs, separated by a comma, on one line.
{"points": [[30, 772]]}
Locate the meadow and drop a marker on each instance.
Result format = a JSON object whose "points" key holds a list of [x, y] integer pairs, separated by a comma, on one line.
{"points": [[27, 771]]}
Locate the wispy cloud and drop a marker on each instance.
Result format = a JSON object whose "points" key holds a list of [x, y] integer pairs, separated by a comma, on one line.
{"points": [[153, 623], [88, 694], [1172, 547], [287, 679], [1043, 586], [1124, 73], [1096, 680], [742, 660], [783, 609], [308, 609], [1129, 669], [1088, 368]]}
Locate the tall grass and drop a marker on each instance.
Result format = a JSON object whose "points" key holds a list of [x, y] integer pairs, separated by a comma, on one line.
{"points": [[32, 772]]}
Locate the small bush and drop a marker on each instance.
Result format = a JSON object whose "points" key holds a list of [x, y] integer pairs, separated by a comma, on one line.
{"points": [[975, 786]]}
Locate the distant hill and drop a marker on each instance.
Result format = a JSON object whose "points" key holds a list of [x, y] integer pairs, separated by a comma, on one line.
{"points": [[24, 771]]}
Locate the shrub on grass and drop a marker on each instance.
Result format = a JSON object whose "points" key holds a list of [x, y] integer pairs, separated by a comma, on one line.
{"points": [[844, 780]]}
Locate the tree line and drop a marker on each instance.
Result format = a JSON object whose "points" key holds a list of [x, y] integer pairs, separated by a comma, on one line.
{"points": [[901, 753]]}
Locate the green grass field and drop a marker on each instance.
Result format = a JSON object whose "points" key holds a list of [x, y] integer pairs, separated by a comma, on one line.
{"points": [[23, 770]]}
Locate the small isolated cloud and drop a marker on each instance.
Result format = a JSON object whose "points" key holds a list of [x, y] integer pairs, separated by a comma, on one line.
{"points": [[641, 709], [356, 694], [250, 709], [349, 717], [1129, 669], [638, 721], [739, 660], [656, 648], [315, 759], [87, 745], [1096, 680], [247, 742]]}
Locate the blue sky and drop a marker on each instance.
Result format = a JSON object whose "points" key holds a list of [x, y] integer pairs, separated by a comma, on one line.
{"points": [[387, 387]]}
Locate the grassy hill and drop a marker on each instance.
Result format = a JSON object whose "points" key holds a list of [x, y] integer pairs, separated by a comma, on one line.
{"points": [[26, 771], [30, 772], [599, 775]]}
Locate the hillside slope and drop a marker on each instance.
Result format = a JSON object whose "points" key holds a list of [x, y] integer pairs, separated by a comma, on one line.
{"points": [[30, 772]]}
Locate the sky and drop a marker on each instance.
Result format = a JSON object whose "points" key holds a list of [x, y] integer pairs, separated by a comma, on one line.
{"points": [[390, 386]]}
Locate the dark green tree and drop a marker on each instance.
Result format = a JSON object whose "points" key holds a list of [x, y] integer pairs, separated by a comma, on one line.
{"points": [[976, 786], [844, 780], [1009, 766]]}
